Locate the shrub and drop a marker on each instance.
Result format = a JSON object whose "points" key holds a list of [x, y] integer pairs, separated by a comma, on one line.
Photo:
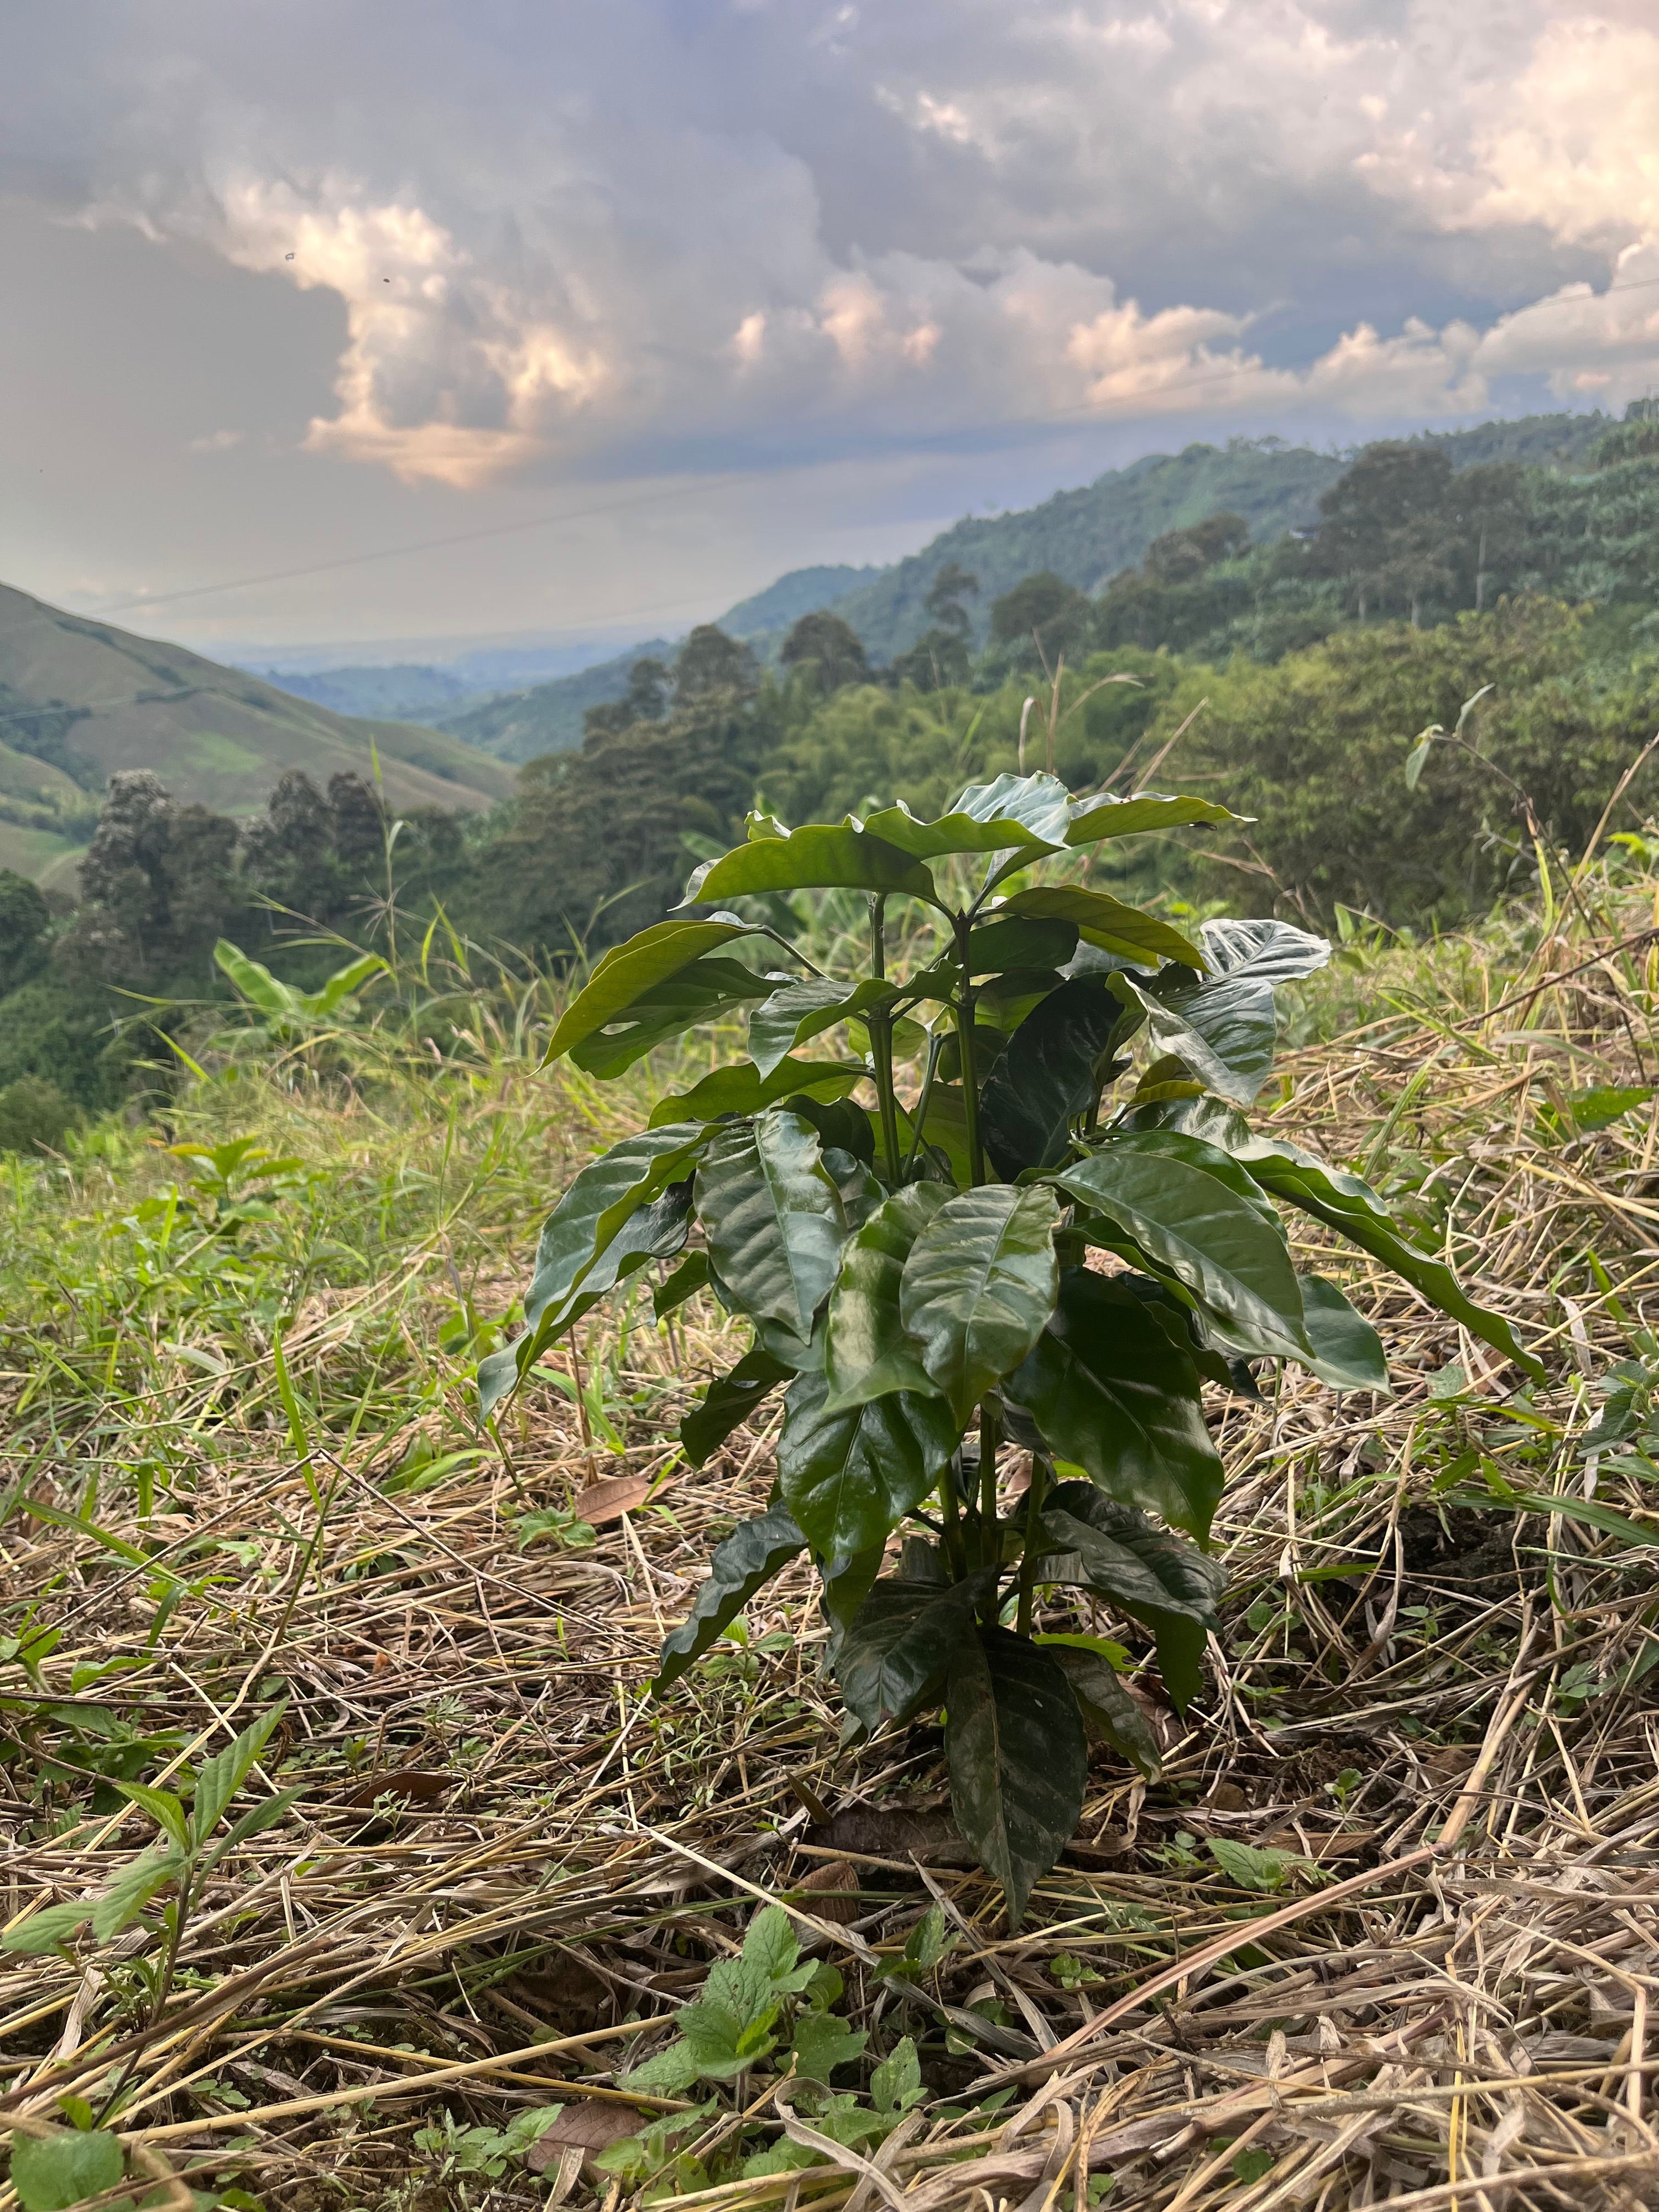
{"points": [[1032, 1258]]}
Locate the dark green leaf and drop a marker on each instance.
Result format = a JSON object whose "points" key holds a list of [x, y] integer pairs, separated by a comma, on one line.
{"points": [[1211, 1119], [1344, 1203], [838, 1122], [866, 1352], [801, 1011], [818, 858], [687, 1280], [52, 2171], [707, 991], [1112, 1549], [1177, 1198], [773, 1216], [1048, 1079], [728, 1402], [1111, 1393], [747, 1560], [891, 1660], [1349, 1351], [598, 1202], [979, 1284], [628, 971], [654, 1231], [945, 1129], [1107, 1709], [132, 1889], [743, 1089], [1017, 942], [849, 1478], [1582, 1112], [1105, 921], [859, 1191], [1017, 1758], [847, 1583], [1094, 819]]}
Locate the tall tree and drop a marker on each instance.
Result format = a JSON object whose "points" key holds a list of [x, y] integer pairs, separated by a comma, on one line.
{"points": [[710, 663], [829, 648]]}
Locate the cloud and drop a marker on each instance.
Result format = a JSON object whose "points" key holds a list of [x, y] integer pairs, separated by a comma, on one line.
{"points": [[669, 227]]}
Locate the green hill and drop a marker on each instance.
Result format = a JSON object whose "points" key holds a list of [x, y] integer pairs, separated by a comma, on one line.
{"points": [[79, 700]]}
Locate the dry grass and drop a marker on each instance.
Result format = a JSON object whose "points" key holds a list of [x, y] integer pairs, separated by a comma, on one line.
{"points": [[507, 1866]]}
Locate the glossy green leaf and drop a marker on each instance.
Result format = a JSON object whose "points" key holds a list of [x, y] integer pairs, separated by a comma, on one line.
{"points": [[1176, 1198], [866, 1352], [840, 1122], [1154, 1576], [1013, 812], [52, 2172], [707, 991], [772, 1218], [855, 1186], [1111, 1393], [819, 857], [1344, 1203], [1225, 1027], [892, 1661], [1114, 1549], [979, 1284], [744, 1563], [687, 1280], [1105, 921], [800, 1011], [946, 1128], [599, 1201], [1348, 1351], [627, 970], [1048, 1078], [1094, 819], [849, 1478], [847, 1583], [1019, 941], [1211, 1119], [1017, 1758], [1107, 1709], [652, 1231], [741, 1088], [728, 1402]]}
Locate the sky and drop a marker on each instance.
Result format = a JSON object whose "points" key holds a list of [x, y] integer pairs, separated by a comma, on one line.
{"points": [[425, 320]]}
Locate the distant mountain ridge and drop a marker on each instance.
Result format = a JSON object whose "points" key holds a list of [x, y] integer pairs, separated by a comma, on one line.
{"points": [[1086, 537], [80, 699]]}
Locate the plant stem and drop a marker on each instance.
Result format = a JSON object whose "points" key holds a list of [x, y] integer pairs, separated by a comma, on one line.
{"points": [[955, 1552], [1033, 1551], [990, 1439], [919, 1117], [880, 1027], [965, 1013]]}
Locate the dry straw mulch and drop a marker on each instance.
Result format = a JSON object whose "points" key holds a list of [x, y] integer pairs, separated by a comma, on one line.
{"points": [[508, 1866]]}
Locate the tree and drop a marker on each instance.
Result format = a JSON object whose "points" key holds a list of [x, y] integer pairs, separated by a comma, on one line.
{"points": [[25, 919], [1180, 557], [710, 662], [829, 648], [1041, 619], [158, 885], [1382, 523], [943, 603], [646, 700]]}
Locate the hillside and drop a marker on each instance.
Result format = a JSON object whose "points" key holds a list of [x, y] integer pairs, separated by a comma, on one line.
{"points": [[80, 699], [802, 592], [400, 687]]}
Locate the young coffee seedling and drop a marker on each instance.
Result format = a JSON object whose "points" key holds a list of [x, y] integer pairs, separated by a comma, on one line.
{"points": [[917, 1269]]}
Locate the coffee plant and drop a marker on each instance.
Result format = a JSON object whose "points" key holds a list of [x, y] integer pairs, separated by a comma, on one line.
{"points": [[1028, 1261]]}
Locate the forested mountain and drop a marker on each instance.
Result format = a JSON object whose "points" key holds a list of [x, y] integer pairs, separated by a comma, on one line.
{"points": [[1084, 538], [79, 700], [398, 688]]}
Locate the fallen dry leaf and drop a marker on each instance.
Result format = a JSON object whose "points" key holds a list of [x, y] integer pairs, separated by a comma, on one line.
{"points": [[609, 1499]]}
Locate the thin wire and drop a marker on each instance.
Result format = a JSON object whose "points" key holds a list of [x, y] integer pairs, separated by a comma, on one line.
{"points": [[1138, 400]]}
